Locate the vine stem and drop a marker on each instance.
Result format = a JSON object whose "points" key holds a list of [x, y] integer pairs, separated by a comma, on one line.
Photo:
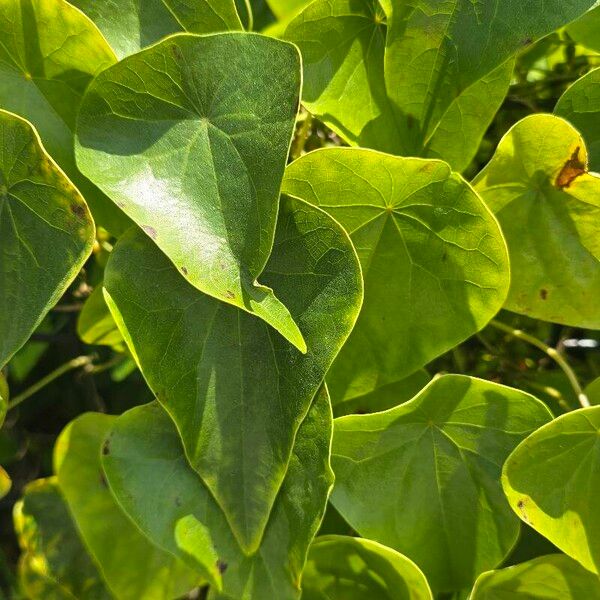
{"points": [[550, 352], [74, 363]]}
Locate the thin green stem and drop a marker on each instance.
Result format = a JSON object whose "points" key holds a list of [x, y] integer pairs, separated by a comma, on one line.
{"points": [[74, 363], [250, 15], [301, 137], [550, 352]]}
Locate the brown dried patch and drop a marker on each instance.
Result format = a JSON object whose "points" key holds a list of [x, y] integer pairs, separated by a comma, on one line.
{"points": [[572, 169], [150, 231], [543, 294], [184, 270], [229, 294], [78, 210], [222, 566], [106, 447]]}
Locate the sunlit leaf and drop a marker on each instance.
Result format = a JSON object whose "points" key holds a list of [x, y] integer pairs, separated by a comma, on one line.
{"points": [[433, 259], [54, 563], [592, 391], [96, 325], [46, 232], [235, 388], [424, 478], [580, 105], [118, 547], [552, 577], [144, 450], [190, 138], [586, 29], [130, 25], [49, 53], [5, 482], [552, 481], [548, 206], [344, 568]]}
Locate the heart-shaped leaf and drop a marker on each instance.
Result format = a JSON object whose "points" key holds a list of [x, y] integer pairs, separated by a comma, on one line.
{"points": [[552, 577], [46, 232], [340, 567], [96, 325], [54, 563], [117, 546], [190, 138], [235, 388], [144, 450], [580, 105], [421, 233], [552, 482], [130, 25], [548, 206], [424, 477], [49, 53], [402, 79]]}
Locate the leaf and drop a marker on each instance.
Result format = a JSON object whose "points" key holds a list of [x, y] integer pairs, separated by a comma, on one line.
{"points": [[552, 577], [586, 29], [421, 233], [5, 483], [592, 391], [54, 562], [96, 325], [384, 397], [116, 545], [424, 477], [49, 54], [190, 138], [145, 449], [403, 79], [284, 9], [580, 105], [340, 568], [130, 25], [236, 390], [548, 206], [551, 481], [46, 232], [4, 397]]}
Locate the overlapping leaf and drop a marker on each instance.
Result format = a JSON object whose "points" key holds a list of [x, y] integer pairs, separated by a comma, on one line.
{"points": [[548, 206], [580, 105], [46, 232], [423, 79], [118, 547], [190, 138], [144, 450], [96, 325], [130, 25], [552, 577], [55, 563], [49, 53], [552, 482], [433, 258], [586, 29], [424, 478], [235, 388], [340, 568]]}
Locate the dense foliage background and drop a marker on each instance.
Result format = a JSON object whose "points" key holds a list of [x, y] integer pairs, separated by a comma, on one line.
{"points": [[76, 360]]}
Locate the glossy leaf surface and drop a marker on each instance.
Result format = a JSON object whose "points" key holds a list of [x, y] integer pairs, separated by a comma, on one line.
{"points": [[145, 449], [420, 232], [424, 478], [55, 563], [580, 105], [235, 388], [46, 233], [402, 79], [190, 139], [548, 206], [552, 577], [347, 568], [130, 25], [50, 52], [118, 547], [552, 480]]}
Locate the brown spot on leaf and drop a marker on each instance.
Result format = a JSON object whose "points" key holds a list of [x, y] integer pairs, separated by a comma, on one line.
{"points": [[572, 169], [229, 294], [176, 52], [222, 566], [150, 231], [177, 501], [543, 294], [103, 481], [78, 210], [106, 447], [184, 270], [121, 204], [527, 42]]}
